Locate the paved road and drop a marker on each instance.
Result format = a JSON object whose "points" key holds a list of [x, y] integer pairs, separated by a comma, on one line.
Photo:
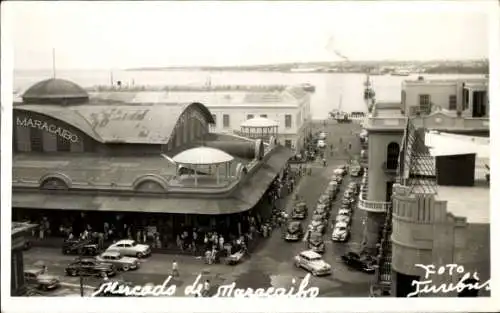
{"points": [[269, 266]]}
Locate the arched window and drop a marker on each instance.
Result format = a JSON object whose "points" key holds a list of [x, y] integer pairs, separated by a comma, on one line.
{"points": [[149, 186], [392, 156], [54, 183]]}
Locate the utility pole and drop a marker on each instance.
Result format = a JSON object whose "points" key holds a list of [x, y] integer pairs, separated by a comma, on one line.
{"points": [[53, 63]]}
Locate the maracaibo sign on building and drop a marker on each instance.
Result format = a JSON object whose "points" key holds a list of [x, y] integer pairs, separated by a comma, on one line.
{"points": [[51, 128]]}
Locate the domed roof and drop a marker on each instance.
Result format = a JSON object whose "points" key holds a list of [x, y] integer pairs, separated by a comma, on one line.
{"points": [[55, 90], [202, 156], [259, 122]]}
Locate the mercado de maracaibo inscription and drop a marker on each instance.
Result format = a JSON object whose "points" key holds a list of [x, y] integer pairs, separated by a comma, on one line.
{"points": [[51, 128]]}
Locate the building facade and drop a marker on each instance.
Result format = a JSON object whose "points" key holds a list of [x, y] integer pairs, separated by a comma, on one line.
{"points": [[406, 225], [106, 160], [468, 98], [232, 105]]}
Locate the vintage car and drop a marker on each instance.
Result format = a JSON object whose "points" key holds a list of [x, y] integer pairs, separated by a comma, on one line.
{"points": [[299, 211], [37, 278], [354, 186], [339, 171], [322, 136], [294, 231], [355, 171], [318, 224], [340, 232], [321, 144], [122, 263], [236, 257], [315, 242], [325, 200], [80, 247], [323, 211], [337, 178], [348, 193], [348, 201], [313, 263], [332, 190], [355, 261], [129, 247], [344, 212], [90, 267], [343, 218]]}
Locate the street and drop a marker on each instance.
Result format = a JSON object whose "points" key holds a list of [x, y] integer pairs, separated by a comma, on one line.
{"points": [[270, 265]]}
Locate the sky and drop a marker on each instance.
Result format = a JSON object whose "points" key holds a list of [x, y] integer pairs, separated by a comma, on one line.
{"points": [[98, 35]]}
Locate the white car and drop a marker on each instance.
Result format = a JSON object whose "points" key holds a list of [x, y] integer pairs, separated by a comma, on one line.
{"points": [[122, 263], [343, 219], [129, 247], [340, 232], [344, 212], [321, 144], [338, 171], [313, 263]]}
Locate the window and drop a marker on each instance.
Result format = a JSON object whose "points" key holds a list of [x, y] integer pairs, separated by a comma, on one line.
{"points": [[288, 121], [453, 102], [425, 103], [392, 156], [263, 115], [249, 116], [225, 120], [214, 116]]}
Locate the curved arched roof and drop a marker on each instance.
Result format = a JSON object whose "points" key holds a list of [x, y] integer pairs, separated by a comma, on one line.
{"points": [[54, 89], [121, 123], [259, 122], [202, 156]]}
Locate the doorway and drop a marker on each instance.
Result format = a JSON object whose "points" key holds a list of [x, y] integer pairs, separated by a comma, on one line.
{"points": [[388, 193], [479, 104]]}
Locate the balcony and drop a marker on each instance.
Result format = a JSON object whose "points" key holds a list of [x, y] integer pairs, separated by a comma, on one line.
{"points": [[390, 168], [372, 206]]}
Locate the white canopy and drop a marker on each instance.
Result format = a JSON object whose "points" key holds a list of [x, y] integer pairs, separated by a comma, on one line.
{"points": [[259, 122], [450, 144], [202, 156]]}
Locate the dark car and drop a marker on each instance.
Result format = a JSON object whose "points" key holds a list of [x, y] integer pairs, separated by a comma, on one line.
{"points": [[80, 247], [294, 231], [316, 242], [355, 261], [299, 211], [90, 267]]}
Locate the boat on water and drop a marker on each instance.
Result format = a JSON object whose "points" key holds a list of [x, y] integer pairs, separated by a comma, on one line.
{"points": [[308, 87], [401, 73]]}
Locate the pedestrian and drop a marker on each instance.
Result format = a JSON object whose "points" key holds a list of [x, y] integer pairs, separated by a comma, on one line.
{"points": [[324, 162], [71, 236], [206, 288], [221, 242], [41, 233], [45, 270], [175, 269]]}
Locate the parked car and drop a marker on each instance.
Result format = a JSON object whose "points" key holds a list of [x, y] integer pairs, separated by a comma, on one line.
{"points": [[332, 190], [294, 231], [322, 136], [344, 212], [122, 263], [355, 261], [129, 247], [321, 144], [299, 211], [313, 263], [348, 193], [343, 219], [80, 247], [339, 171], [325, 200], [316, 242], [323, 211], [355, 171], [317, 225], [337, 178], [37, 278], [347, 201], [90, 267], [340, 232]]}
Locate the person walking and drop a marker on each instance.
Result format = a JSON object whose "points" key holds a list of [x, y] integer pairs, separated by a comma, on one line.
{"points": [[175, 269]]}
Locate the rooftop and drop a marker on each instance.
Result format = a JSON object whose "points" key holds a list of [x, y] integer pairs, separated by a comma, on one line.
{"points": [[120, 123], [202, 156], [287, 97], [424, 81], [472, 203]]}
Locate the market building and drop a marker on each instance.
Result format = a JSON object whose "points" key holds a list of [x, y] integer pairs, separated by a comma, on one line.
{"points": [[149, 164], [231, 106], [425, 204]]}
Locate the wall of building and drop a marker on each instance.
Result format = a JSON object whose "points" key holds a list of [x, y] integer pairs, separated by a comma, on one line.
{"points": [[377, 155], [425, 233], [446, 170], [439, 93]]}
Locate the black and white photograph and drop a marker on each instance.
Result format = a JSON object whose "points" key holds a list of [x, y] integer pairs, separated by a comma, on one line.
{"points": [[250, 150]]}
